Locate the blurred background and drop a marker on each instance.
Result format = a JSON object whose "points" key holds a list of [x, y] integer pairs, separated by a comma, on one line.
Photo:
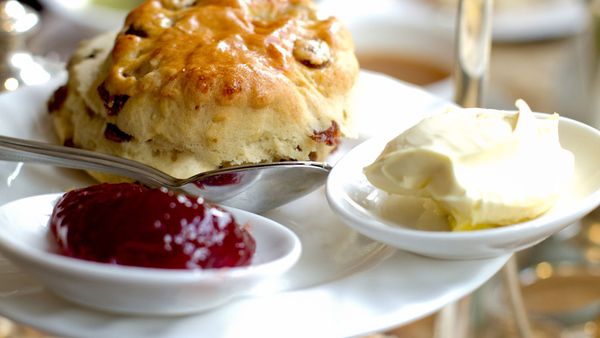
{"points": [[544, 51]]}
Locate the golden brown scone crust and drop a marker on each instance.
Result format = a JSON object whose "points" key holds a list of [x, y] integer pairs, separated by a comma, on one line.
{"points": [[195, 85]]}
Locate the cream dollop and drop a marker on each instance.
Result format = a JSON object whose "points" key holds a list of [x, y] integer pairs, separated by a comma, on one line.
{"points": [[482, 167]]}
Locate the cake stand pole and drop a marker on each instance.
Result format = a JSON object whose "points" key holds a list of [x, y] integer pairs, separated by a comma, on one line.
{"points": [[473, 44]]}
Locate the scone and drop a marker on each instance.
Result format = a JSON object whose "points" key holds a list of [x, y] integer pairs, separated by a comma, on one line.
{"points": [[190, 86]]}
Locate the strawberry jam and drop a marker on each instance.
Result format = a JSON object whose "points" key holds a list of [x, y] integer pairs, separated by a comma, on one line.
{"points": [[128, 224], [219, 180]]}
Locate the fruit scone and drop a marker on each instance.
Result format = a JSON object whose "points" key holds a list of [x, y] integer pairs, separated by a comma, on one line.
{"points": [[189, 86]]}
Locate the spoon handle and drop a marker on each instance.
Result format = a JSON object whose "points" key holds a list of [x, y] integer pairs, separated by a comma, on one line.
{"points": [[19, 150]]}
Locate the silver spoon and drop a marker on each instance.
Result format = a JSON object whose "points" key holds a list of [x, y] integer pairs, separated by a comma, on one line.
{"points": [[256, 188]]}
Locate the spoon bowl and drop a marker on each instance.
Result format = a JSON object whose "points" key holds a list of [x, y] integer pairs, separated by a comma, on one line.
{"points": [[255, 187], [25, 240]]}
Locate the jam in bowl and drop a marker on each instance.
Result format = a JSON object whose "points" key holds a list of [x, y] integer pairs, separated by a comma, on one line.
{"points": [[129, 224], [143, 282]]}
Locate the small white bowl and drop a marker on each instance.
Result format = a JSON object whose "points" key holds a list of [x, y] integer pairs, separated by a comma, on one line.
{"points": [[25, 240], [360, 204]]}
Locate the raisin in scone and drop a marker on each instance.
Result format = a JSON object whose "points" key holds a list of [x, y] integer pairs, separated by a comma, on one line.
{"points": [[189, 86]]}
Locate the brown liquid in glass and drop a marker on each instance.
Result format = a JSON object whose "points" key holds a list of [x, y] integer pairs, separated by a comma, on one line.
{"points": [[406, 68]]}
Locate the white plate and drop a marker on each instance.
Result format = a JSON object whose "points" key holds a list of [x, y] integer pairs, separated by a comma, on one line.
{"points": [[385, 35], [363, 206], [343, 285], [98, 17], [541, 20], [25, 239], [538, 21]]}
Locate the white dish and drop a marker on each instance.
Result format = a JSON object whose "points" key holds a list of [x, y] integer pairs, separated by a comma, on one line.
{"points": [[538, 21], [344, 284], [409, 41], [541, 20], [363, 206], [98, 17], [25, 239]]}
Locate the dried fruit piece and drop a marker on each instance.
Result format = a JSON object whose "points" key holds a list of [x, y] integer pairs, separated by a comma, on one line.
{"points": [[312, 53], [112, 103]]}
